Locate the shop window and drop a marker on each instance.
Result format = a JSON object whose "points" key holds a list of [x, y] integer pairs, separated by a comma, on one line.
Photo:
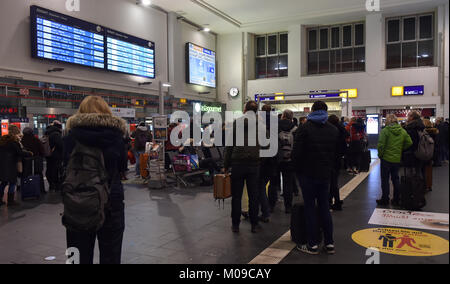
{"points": [[336, 49], [271, 56], [410, 41]]}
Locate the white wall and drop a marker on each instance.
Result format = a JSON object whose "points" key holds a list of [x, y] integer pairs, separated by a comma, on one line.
{"points": [[446, 62], [230, 69], [374, 85], [15, 47]]}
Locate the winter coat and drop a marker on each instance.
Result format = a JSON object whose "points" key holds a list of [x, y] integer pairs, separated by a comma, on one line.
{"points": [[105, 132], [11, 153], [392, 142], [315, 147], [141, 136], [412, 128], [56, 142], [357, 137]]}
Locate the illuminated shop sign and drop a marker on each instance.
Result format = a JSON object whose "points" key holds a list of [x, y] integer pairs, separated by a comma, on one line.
{"points": [[8, 110], [205, 108]]}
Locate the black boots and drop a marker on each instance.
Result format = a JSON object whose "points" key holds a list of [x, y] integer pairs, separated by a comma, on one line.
{"points": [[11, 200]]}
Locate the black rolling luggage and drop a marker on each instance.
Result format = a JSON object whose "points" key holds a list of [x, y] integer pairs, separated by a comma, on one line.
{"points": [[366, 159], [31, 183], [412, 190], [298, 225]]}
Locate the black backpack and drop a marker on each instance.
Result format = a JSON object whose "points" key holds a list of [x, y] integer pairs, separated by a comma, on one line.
{"points": [[85, 190]]}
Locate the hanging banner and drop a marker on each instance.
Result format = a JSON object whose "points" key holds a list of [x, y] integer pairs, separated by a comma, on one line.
{"points": [[410, 219]]}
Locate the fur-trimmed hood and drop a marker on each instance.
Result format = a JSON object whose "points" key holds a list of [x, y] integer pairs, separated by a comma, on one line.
{"points": [[95, 120], [6, 139]]}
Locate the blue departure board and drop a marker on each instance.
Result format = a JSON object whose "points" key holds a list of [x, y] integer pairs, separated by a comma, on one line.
{"points": [[129, 54], [200, 66], [62, 38]]}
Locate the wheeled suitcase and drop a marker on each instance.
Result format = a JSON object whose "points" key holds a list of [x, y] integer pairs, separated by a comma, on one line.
{"points": [[30, 183], [412, 191], [222, 187], [366, 159], [143, 160], [298, 225]]}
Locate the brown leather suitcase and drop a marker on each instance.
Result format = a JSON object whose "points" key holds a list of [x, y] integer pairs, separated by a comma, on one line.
{"points": [[222, 186], [143, 165]]}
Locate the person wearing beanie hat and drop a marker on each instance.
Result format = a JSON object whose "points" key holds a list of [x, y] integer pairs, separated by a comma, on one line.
{"points": [[12, 153]]}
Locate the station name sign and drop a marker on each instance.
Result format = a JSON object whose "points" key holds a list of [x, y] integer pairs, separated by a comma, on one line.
{"points": [[408, 91]]}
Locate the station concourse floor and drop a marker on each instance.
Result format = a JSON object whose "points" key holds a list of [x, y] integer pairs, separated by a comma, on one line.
{"points": [[186, 226]]}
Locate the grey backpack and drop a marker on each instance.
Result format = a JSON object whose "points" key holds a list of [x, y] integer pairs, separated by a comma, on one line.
{"points": [[46, 146], [85, 190], [425, 148], [286, 144]]}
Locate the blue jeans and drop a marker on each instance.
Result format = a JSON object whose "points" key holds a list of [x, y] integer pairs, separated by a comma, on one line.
{"points": [[11, 190], [315, 189], [137, 155], [389, 169]]}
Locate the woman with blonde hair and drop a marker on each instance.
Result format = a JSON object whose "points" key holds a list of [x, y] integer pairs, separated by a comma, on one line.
{"points": [[11, 154], [96, 128], [392, 142]]}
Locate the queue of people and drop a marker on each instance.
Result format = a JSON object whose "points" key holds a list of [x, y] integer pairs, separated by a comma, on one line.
{"points": [[311, 153]]}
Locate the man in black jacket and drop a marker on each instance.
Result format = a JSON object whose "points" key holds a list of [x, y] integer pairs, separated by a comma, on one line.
{"points": [[414, 125], [314, 157], [244, 162], [54, 162]]}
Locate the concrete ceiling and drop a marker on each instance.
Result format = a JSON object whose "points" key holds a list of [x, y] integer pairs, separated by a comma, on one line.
{"points": [[264, 16]]}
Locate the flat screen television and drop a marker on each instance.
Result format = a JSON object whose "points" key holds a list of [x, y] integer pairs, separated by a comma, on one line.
{"points": [[200, 66]]}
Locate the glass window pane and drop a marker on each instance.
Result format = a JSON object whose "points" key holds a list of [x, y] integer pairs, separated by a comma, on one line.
{"points": [[324, 62], [335, 38], [313, 62], [347, 60], [347, 36], [393, 30], [261, 70], [393, 54], [335, 61], [283, 66], [312, 35], [261, 46], [360, 59], [324, 39], [409, 29], [272, 44], [409, 54], [272, 66], [284, 43], [359, 34], [426, 27], [426, 52]]}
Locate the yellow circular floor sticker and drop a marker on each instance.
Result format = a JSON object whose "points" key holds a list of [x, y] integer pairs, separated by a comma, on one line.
{"points": [[401, 241]]}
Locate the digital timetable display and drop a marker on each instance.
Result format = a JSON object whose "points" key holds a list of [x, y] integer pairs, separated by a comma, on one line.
{"points": [[62, 38], [66, 39], [200, 66], [131, 55]]}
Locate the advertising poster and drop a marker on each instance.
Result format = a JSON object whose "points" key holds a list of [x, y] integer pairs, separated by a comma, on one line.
{"points": [[160, 128], [373, 124], [410, 219]]}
